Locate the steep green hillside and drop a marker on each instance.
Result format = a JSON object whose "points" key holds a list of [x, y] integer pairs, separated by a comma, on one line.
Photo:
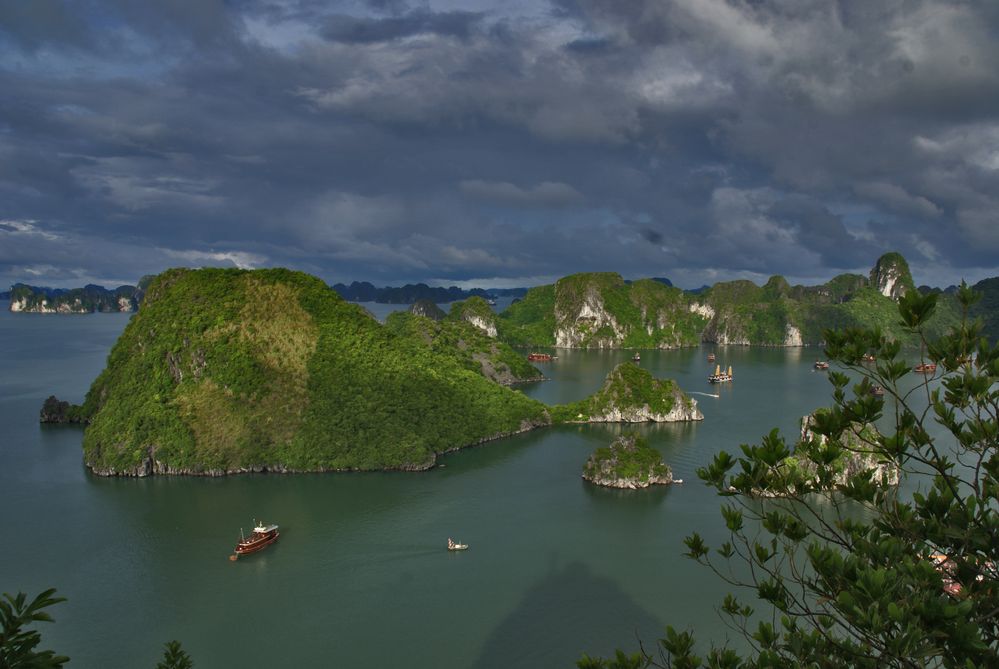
{"points": [[531, 321], [231, 370], [465, 343]]}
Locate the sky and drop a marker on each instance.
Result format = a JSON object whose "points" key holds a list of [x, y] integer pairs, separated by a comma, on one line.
{"points": [[499, 143]]}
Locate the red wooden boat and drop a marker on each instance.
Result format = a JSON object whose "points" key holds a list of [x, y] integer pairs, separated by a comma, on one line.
{"points": [[539, 357], [821, 364], [925, 368], [262, 537]]}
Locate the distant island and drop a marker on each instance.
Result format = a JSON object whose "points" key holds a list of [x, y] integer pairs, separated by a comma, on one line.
{"points": [[89, 299], [225, 371], [362, 291], [602, 310], [629, 462]]}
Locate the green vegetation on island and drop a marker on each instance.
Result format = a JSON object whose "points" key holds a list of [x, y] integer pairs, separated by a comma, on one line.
{"points": [[476, 311], [228, 370], [462, 341], [531, 321], [629, 462]]}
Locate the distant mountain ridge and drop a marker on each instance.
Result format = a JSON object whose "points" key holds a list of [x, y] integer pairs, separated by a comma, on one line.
{"points": [[362, 291]]}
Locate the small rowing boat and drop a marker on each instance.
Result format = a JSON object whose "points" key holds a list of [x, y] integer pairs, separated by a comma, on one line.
{"points": [[453, 546]]}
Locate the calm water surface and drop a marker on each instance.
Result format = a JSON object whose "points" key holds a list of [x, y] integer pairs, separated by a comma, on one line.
{"points": [[361, 576]]}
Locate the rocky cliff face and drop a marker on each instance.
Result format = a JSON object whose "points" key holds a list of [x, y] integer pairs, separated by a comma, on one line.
{"points": [[586, 323], [681, 411], [725, 329], [487, 325], [792, 336], [891, 276]]}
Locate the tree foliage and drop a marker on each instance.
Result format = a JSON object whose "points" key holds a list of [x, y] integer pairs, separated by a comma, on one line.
{"points": [[175, 657], [18, 644], [859, 574]]}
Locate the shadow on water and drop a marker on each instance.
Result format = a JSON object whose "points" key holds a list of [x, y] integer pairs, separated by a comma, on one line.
{"points": [[569, 612]]}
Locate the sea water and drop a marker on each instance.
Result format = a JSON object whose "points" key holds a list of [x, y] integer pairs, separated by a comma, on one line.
{"points": [[361, 575]]}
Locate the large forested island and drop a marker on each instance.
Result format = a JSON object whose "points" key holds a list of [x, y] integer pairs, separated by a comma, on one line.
{"points": [[225, 371]]}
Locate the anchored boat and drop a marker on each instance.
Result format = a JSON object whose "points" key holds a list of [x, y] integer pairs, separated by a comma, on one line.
{"points": [[262, 537]]}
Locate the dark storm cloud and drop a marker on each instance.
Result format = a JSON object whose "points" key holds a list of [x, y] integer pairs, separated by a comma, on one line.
{"points": [[350, 29], [696, 139]]}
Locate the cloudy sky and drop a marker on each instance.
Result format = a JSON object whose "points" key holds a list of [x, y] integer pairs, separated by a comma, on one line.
{"points": [[498, 143]]}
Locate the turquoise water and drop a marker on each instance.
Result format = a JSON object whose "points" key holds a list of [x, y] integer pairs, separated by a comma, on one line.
{"points": [[361, 576]]}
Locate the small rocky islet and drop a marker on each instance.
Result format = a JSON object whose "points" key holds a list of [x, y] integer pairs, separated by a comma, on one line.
{"points": [[629, 462]]}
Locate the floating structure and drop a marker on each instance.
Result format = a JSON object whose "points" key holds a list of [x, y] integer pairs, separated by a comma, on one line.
{"points": [[540, 357], [821, 365], [925, 368], [719, 376], [262, 537]]}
